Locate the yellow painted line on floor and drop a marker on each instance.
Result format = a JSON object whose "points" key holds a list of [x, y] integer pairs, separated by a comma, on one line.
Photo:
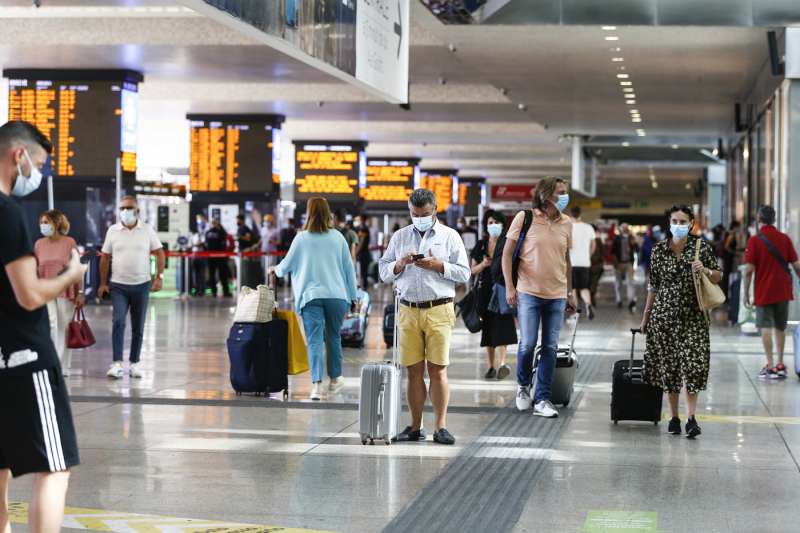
{"points": [[116, 522], [735, 419]]}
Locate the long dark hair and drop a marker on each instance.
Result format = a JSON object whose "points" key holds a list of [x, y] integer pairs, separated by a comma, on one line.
{"points": [[683, 208], [498, 216]]}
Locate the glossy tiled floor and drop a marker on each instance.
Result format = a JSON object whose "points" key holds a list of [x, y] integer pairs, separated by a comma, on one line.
{"points": [[179, 443]]}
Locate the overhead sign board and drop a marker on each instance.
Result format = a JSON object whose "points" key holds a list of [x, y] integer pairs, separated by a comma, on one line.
{"points": [[234, 153], [363, 42], [389, 182], [444, 184], [330, 169], [512, 193]]}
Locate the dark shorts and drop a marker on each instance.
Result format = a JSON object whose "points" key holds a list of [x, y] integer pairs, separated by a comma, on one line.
{"points": [[773, 316], [36, 429], [581, 277]]}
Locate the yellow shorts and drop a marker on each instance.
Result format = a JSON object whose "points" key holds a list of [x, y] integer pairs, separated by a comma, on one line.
{"points": [[424, 334]]}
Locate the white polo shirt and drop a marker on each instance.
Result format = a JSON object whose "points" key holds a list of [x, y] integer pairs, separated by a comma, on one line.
{"points": [[130, 252]]}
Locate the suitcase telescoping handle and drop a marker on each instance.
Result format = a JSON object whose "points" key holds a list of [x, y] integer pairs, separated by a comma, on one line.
{"points": [[575, 331], [395, 348], [634, 331]]}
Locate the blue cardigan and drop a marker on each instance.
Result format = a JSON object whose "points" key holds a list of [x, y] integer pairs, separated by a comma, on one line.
{"points": [[321, 267]]}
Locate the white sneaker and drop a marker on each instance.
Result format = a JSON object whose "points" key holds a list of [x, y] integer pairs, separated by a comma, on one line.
{"points": [[545, 409], [135, 370], [316, 391], [115, 371], [524, 397], [337, 384]]}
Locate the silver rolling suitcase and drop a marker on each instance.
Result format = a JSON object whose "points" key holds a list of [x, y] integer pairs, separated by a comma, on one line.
{"points": [[379, 401], [566, 365]]}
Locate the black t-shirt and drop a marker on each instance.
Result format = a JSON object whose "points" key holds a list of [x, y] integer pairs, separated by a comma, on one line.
{"points": [[246, 237], [216, 240], [25, 345]]}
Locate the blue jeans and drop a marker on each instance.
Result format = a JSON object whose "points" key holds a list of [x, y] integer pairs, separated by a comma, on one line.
{"points": [[124, 298], [533, 310], [322, 321]]}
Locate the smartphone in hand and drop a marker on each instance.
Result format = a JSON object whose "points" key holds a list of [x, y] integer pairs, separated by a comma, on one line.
{"points": [[417, 257]]}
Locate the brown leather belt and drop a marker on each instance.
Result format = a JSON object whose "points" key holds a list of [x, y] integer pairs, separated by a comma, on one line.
{"points": [[427, 305]]}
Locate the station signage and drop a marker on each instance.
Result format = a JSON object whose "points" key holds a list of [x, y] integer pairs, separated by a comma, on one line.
{"points": [[389, 182], [334, 170], [444, 184], [512, 193]]}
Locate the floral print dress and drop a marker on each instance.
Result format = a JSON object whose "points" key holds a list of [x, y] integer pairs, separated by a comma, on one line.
{"points": [[678, 344]]}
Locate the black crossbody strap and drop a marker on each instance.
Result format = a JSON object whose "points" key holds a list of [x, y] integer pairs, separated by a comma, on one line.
{"points": [[775, 253]]}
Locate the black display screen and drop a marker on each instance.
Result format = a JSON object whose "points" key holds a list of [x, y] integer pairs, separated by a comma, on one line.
{"points": [[332, 170], [91, 123], [234, 154]]}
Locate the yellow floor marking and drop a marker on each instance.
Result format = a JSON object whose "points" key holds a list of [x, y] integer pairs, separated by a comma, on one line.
{"points": [[116, 522], [735, 419]]}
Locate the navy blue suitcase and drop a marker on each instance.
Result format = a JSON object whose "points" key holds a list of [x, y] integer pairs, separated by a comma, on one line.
{"points": [[259, 357]]}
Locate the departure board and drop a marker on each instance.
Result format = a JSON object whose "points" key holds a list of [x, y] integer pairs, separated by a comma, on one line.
{"points": [[91, 117], [234, 153], [442, 183], [389, 182], [333, 170]]}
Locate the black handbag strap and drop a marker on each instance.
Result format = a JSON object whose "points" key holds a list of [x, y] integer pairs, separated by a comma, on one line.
{"points": [[775, 253]]}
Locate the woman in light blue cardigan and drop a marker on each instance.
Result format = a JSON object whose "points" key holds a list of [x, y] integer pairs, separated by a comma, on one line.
{"points": [[324, 285]]}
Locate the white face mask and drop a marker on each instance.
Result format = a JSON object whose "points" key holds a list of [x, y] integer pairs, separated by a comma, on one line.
{"points": [[494, 230], [46, 229], [127, 216], [422, 224], [26, 185]]}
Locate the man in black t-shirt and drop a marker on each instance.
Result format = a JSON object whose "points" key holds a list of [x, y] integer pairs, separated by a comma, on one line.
{"points": [[37, 435], [217, 241], [250, 272]]}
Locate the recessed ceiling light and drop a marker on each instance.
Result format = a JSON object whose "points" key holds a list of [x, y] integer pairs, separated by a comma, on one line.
{"points": [[626, 83], [617, 59], [629, 95], [630, 102], [612, 38], [616, 49], [633, 111], [675, 146], [627, 90], [623, 76], [655, 185], [609, 28], [626, 144], [637, 120], [622, 68], [688, 186]]}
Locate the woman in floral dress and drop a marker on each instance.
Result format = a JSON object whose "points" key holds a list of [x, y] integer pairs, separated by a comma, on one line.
{"points": [[678, 345]]}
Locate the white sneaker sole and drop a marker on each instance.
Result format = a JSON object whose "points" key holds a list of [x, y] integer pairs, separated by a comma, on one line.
{"points": [[523, 409], [543, 415]]}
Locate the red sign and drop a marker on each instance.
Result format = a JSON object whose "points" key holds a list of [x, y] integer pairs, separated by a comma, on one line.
{"points": [[512, 193]]}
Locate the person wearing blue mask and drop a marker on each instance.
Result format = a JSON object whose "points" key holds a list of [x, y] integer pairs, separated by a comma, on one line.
{"points": [[538, 278], [425, 261], [499, 330], [37, 434], [678, 343], [126, 253]]}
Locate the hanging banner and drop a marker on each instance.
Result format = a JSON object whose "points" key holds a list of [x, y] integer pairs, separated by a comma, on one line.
{"points": [[363, 42]]}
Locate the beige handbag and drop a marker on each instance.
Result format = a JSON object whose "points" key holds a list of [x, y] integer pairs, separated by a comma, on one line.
{"points": [[255, 305], [709, 294]]}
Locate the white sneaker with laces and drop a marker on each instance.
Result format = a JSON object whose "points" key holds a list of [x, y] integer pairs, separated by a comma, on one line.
{"points": [[135, 370], [316, 391], [337, 384], [545, 409], [115, 371], [524, 397]]}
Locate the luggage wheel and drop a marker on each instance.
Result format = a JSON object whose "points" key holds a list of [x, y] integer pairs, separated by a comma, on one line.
{"points": [[363, 442], [616, 422], [388, 441], [566, 403], [372, 442], [285, 395], [655, 423]]}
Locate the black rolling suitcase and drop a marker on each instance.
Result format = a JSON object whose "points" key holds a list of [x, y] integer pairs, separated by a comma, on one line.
{"points": [[631, 398], [259, 357]]}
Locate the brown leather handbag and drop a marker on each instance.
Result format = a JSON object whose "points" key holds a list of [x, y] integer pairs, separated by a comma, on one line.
{"points": [[709, 294]]}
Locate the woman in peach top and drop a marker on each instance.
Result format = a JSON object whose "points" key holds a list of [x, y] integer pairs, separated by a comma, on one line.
{"points": [[53, 253]]}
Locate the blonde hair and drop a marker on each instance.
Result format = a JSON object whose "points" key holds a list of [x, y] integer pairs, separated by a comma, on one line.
{"points": [[58, 219], [318, 215]]}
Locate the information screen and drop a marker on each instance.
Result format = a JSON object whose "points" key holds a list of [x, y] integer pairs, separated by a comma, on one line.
{"points": [[442, 184], [334, 171], [234, 154], [90, 123], [389, 182]]}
